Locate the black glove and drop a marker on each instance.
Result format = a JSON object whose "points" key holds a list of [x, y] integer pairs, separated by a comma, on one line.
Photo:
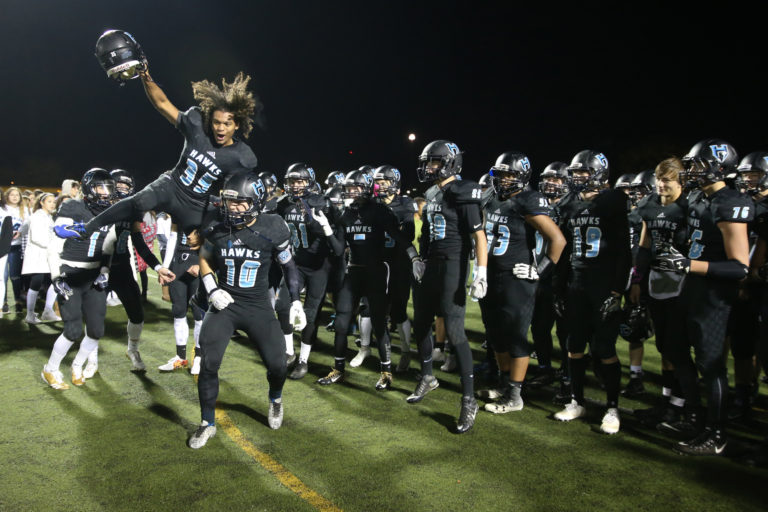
{"points": [[610, 306], [62, 288], [559, 304]]}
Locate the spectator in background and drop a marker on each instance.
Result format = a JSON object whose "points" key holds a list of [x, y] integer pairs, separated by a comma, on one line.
{"points": [[70, 189], [15, 209], [35, 265], [6, 234]]}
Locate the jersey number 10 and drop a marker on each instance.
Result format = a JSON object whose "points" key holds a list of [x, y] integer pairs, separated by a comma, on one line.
{"points": [[246, 276]]}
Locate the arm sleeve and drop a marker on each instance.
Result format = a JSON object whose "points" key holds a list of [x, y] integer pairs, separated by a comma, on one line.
{"points": [[392, 226], [336, 240], [291, 274], [620, 237], [170, 248], [424, 238], [141, 247], [108, 248]]}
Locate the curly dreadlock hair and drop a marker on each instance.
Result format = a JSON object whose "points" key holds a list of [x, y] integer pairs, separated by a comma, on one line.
{"points": [[231, 97]]}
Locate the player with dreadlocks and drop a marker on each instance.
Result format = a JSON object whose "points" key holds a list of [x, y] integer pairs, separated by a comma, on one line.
{"points": [[211, 153]]}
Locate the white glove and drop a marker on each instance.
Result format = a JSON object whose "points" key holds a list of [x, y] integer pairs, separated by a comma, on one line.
{"points": [[323, 221], [220, 299], [525, 271], [479, 286], [297, 317], [418, 269]]}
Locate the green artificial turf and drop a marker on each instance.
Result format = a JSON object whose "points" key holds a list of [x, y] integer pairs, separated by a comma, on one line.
{"points": [[119, 442]]}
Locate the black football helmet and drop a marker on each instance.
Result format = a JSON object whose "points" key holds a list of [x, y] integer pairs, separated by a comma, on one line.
{"points": [[299, 172], [592, 162], [98, 189], [635, 325], [120, 55], [122, 177], [358, 185], [335, 178], [510, 173], [485, 181], [444, 152], [624, 183], [753, 172], [269, 180], [709, 161], [642, 185], [548, 180], [386, 173], [335, 195], [243, 186], [368, 169]]}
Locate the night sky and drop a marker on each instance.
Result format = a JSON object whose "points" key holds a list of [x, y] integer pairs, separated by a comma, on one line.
{"points": [[639, 83]]}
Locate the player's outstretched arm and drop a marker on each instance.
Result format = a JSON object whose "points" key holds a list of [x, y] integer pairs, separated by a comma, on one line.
{"points": [[158, 99]]}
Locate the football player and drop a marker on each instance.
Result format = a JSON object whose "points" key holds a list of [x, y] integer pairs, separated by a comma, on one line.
{"points": [[717, 259], [594, 221], [310, 218], [452, 221], [512, 218], [664, 224], [273, 191], [80, 275], [365, 224], [211, 152], [234, 264]]}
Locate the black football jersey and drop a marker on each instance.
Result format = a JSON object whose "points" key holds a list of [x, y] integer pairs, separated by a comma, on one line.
{"points": [[86, 250], [403, 207], [242, 258], [705, 240], [511, 239], [665, 225], [635, 228], [760, 225], [203, 166], [450, 215], [366, 227], [122, 256], [310, 245], [597, 233]]}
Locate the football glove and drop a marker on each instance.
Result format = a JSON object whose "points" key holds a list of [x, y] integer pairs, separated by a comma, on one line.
{"points": [[479, 286], [102, 281], [525, 271], [76, 230], [323, 221], [220, 299], [297, 316], [559, 304], [671, 261], [610, 306], [418, 268], [62, 289]]}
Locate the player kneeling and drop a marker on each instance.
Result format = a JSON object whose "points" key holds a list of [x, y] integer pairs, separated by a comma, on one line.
{"points": [[240, 251]]}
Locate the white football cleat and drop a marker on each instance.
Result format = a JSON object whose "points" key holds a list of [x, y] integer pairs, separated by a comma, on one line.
{"points": [[450, 363], [275, 418], [137, 365], [32, 319], [611, 421], [90, 369], [571, 411], [360, 357], [50, 315], [201, 436], [196, 366], [438, 356], [173, 364]]}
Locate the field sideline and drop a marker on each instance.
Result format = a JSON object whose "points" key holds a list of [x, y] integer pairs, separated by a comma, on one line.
{"points": [[119, 442]]}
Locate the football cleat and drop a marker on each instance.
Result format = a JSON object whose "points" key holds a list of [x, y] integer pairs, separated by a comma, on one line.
{"points": [[385, 381], [438, 356], [544, 377], [333, 377], [450, 363], [490, 394], [684, 428], [174, 363], [299, 371], [201, 436], [32, 319], [563, 396], [635, 387], [289, 360], [611, 421], [360, 357], [196, 365], [90, 369], [467, 415], [54, 379], [425, 385], [404, 363], [77, 375], [508, 403], [571, 411], [50, 315], [137, 365], [709, 442], [275, 417]]}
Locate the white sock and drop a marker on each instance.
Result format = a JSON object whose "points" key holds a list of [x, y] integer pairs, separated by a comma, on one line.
{"points": [[366, 326], [304, 352], [59, 352], [196, 332], [404, 330], [50, 298], [635, 368], [31, 299], [666, 392], [181, 331], [134, 333], [93, 357], [289, 344], [677, 401], [87, 346]]}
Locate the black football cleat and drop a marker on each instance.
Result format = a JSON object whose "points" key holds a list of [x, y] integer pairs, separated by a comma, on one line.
{"points": [[709, 442], [467, 415]]}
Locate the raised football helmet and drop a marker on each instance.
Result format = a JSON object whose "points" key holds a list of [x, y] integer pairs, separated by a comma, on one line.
{"points": [[98, 189], [554, 179], [269, 180], [709, 161], [122, 177], [242, 186], [358, 185], [753, 172], [510, 173], [299, 180], [120, 55], [595, 164], [438, 160], [386, 180]]}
